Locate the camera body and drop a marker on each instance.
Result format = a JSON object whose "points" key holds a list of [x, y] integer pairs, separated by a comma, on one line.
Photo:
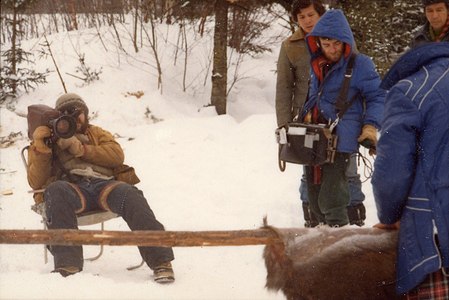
{"points": [[61, 126]]}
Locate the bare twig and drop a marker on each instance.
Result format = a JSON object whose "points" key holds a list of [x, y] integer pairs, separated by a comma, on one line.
{"points": [[54, 62], [153, 44]]}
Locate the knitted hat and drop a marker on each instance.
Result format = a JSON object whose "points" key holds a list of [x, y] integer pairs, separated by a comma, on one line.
{"points": [[70, 100], [429, 2]]}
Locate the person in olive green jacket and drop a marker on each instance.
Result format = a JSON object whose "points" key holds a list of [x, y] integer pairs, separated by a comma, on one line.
{"points": [[292, 85], [293, 66]]}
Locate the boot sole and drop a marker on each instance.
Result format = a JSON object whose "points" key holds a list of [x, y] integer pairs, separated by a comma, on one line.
{"points": [[164, 280]]}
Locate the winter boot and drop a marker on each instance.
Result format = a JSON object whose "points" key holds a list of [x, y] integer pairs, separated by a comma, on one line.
{"points": [[309, 218], [357, 214], [164, 273], [66, 271]]}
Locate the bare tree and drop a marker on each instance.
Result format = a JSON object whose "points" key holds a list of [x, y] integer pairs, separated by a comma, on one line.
{"points": [[153, 44], [219, 70], [136, 20]]}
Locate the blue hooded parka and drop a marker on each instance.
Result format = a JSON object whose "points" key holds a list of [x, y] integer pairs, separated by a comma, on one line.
{"points": [[367, 107], [411, 170]]}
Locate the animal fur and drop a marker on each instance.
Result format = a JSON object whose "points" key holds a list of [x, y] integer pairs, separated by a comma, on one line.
{"points": [[331, 263]]}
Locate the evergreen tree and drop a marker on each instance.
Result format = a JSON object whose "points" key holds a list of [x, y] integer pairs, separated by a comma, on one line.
{"points": [[383, 29], [14, 76]]}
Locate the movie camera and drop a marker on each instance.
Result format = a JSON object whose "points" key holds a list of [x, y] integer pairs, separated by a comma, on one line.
{"points": [[61, 125]]}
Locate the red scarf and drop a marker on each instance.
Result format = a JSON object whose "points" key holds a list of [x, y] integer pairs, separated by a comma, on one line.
{"points": [[318, 65], [322, 69], [444, 31]]}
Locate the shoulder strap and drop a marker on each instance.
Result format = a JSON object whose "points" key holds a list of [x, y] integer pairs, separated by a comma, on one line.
{"points": [[342, 104]]}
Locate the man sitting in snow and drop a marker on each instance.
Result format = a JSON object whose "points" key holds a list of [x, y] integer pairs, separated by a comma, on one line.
{"points": [[77, 174]]}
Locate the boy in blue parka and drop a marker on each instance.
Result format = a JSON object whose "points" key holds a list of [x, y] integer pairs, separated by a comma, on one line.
{"points": [[331, 44], [411, 171]]}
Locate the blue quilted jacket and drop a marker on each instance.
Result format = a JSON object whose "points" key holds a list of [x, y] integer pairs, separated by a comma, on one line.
{"points": [[411, 171], [367, 107]]}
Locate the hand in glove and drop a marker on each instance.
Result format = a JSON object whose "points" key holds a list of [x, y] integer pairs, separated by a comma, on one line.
{"points": [[39, 136], [394, 226], [368, 138], [73, 145], [308, 118]]}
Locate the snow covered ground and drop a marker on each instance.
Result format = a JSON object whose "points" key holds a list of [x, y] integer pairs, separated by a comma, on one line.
{"points": [[199, 171]]}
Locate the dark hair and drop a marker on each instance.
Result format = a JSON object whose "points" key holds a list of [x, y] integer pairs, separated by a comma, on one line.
{"points": [[430, 2], [301, 4]]}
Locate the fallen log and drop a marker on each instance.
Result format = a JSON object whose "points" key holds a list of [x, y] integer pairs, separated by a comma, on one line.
{"points": [[70, 237]]}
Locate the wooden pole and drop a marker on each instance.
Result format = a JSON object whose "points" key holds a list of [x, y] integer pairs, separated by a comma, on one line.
{"points": [[70, 237]]}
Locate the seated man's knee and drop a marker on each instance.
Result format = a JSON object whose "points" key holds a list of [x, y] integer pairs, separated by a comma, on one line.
{"points": [[61, 201], [123, 196], [58, 191], [125, 191], [61, 193], [59, 186]]}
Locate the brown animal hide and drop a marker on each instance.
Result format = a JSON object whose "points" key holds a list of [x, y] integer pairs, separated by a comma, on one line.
{"points": [[333, 263]]}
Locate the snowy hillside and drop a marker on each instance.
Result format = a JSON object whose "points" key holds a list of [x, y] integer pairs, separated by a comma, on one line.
{"points": [[199, 171]]}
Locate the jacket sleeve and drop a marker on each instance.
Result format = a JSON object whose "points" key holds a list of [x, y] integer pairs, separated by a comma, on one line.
{"points": [[394, 167], [285, 84], [314, 89], [302, 72], [39, 168], [370, 88], [105, 152]]}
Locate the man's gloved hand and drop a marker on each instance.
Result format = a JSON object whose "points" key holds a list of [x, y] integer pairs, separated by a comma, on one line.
{"points": [[368, 138], [39, 136], [308, 118], [394, 226], [73, 145]]}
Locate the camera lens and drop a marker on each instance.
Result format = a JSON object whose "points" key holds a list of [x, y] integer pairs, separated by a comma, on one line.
{"points": [[64, 127]]}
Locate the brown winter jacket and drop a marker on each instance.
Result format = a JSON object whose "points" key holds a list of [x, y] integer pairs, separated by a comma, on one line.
{"points": [[101, 152], [423, 36], [293, 71]]}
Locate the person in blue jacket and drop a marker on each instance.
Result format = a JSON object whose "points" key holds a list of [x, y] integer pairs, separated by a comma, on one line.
{"points": [[331, 44], [411, 171]]}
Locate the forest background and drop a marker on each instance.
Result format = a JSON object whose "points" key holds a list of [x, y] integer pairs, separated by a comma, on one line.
{"points": [[382, 28]]}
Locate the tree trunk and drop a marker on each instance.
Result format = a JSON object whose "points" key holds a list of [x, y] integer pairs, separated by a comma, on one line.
{"points": [[136, 20], [13, 47], [219, 70]]}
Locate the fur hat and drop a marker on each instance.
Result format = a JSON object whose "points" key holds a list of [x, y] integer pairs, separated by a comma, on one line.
{"points": [[70, 100], [429, 2]]}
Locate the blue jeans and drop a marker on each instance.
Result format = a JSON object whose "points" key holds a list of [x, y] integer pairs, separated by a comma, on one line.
{"points": [[64, 200], [356, 195]]}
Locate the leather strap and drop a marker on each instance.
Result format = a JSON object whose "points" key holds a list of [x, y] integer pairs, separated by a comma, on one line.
{"points": [[342, 104]]}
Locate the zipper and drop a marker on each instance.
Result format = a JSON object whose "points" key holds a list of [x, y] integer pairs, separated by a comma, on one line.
{"points": [[320, 92], [435, 236]]}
